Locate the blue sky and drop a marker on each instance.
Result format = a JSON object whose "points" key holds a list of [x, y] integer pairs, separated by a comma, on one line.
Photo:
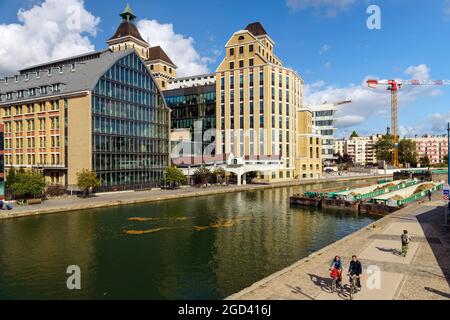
{"points": [[326, 41]]}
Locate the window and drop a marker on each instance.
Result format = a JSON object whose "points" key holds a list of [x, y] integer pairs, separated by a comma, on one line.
{"points": [[231, 65], [251, 62], [241, 63], [152, 67], [251, 48], [241, 38], [231, 51], [165, 68], [163, 84], [241, 50], [32, 92]]}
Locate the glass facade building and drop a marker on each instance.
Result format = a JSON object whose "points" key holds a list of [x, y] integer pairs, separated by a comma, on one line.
{"points": [[130, 127], [192, 104], [194, 108]]}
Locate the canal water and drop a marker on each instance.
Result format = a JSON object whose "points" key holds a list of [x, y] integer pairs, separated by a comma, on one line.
{"points": [[197, 248]]}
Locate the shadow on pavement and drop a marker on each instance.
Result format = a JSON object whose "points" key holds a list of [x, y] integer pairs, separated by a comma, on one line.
{"points": [[325, 284], [395, 252], [439, 293], [432, 223]]}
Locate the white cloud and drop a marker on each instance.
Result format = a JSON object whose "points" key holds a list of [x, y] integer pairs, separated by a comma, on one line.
{"points": [[179, 48], [438, 122], [420, 72], [325, 48], [366, 103], [447, 7], [330, 8], [51, 30]]}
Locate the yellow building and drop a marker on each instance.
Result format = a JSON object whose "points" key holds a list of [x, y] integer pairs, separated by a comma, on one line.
{"points": [[257, 103], [308, 162], [101, 111]]}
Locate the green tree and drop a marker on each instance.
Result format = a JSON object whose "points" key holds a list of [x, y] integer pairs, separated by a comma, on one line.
{"points": [[28, 184], [87, 180], [174, 176], [354, 135], [219, 173], [202, 174], [446, 159], [385, 147], [424, 162], [407, 152], [11, 178]]}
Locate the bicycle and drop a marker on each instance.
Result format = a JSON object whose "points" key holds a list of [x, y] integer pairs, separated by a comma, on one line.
{"points": [[353, 287]]}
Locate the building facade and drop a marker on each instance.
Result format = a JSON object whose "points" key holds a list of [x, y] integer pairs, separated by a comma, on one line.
{"points": [[308, 161], [257, 103], [101, 111], [433, 147], [324, 118], [360, 149]]}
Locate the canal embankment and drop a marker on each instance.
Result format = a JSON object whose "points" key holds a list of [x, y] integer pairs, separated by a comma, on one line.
{"points": [[424, 274], [69, 204]]}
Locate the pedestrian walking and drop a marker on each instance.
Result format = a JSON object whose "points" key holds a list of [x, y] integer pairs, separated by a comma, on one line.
{"points": [[406, 239], [429, 194]]}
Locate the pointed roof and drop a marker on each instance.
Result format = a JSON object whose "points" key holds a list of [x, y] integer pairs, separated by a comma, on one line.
{"points": [[127, 27], [157, 53], [127, 14], [256, 29]]}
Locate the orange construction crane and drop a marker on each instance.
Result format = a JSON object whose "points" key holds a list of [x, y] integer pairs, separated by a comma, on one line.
{"points": [[394, 86]]}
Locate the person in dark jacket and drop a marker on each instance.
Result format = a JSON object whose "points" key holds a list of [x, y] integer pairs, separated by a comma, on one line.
{"points": [[355, 269], [429, 194]]}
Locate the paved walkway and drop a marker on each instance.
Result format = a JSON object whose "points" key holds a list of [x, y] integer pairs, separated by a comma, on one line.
{"points": [[128, 198], [423, 275]]}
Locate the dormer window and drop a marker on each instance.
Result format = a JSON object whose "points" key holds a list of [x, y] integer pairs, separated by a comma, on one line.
{"points": [[20, 93], [241, 38], [27, 77], [72, 68], [32, 92], [16, 78], [56, 87], [49, 72], [38, 74], [60, 69], [9, 95], [43, 90]]}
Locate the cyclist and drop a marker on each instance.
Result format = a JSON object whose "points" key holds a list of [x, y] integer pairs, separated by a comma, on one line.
{"points": [[336, 269], [355, 269]]}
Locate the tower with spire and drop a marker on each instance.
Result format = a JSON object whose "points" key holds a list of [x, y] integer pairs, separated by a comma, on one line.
{"points": [[128, 36]]}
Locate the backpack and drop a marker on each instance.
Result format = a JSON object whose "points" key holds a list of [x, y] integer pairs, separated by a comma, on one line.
{"points": [[405, 239]]}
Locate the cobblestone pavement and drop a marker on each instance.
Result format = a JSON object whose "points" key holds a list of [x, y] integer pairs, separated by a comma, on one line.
{"points": [[127, 198], [423, 275]]}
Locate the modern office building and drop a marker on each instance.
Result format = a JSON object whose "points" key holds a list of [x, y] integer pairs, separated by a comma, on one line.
{"points": [[360, 149], [433, 147], [101, 111], [323, 119], [257, 104]]}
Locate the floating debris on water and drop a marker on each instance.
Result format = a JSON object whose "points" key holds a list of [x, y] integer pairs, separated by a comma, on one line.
{"points": [[140, 232], [223, 223], [138, 219]]}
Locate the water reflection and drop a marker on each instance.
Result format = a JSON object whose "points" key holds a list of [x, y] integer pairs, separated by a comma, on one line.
{"points": [[200, 248]]}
